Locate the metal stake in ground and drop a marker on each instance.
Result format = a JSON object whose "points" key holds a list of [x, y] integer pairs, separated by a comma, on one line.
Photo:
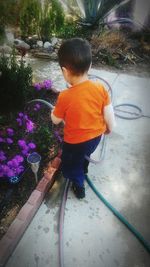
{"points": [[34, 160]]}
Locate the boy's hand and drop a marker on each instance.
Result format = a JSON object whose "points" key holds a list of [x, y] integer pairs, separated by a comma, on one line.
{"points": [[107, 131]]}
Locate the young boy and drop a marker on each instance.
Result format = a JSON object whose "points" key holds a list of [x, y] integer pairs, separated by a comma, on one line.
{"points": [[85, 108]]}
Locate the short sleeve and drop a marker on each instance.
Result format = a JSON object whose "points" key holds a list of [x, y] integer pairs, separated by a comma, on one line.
{"points": [[59, 110]]}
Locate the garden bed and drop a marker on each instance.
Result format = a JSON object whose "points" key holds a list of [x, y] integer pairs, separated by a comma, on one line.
{"points": [[21, 134]]}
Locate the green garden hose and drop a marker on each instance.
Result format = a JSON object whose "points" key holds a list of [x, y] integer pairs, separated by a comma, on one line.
{"points": [[119, 216]]}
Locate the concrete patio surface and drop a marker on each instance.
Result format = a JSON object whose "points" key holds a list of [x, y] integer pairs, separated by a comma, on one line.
{"points": [[93, 236]]}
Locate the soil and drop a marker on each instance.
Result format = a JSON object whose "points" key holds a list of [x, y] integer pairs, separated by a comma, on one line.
{"points": [[13, 197]]}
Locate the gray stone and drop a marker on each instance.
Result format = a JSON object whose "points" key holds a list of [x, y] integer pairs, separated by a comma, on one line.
{"points": [[21, 44], [53, 56], [54, 41], [39, 43], [47, 45]]}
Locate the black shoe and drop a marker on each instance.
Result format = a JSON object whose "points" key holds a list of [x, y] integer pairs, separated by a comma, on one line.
{"points": [[78, 191]]}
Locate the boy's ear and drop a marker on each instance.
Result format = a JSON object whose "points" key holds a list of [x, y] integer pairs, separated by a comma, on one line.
{"points": [[65, 71]]}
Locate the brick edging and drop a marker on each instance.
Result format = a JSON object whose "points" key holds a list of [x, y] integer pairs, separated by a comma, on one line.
{"points": [[15, 231]]}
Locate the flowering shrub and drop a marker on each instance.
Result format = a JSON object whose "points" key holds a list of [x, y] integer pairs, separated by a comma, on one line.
{"points": [[46, 84], [23, 119], [28, 133], [13, 149], [17, 143]]}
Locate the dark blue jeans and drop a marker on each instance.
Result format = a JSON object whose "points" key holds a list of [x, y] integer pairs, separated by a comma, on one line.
{"points": [[74, 165]]}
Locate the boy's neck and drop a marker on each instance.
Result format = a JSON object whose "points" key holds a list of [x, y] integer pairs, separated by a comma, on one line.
{"points": [[78, 79]]}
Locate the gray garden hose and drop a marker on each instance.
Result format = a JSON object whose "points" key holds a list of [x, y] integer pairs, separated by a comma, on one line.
{"points": [[42, 101]]}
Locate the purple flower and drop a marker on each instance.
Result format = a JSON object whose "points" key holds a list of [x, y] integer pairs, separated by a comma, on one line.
{"points": [[30, 126], [21, 143], [10, 131], [25, 117], [37, 86], [25, 152], [19, 121], [19, 158], [31, 145], [2, 140], [9, 141], [19, 169], [13, 163], [47, 84], [10, 173], [37, 107], [2, 156], [20, 114], [6, 171], [22, 118], [58, 137]]}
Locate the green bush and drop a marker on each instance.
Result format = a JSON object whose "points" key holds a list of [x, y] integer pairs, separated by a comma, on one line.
{"points": [[70, 30], [30, 17], [57, 15], [15, 83], [51, 19], [44, 138], [41, 20]]}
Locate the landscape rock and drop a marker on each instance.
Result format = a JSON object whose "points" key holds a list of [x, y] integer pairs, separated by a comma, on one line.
{"points": [[39, 43], [54, 41], [47, 45], [21, 44]]}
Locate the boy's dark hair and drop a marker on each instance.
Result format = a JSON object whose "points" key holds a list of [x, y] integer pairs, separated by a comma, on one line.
{"points": [[75, 54]]}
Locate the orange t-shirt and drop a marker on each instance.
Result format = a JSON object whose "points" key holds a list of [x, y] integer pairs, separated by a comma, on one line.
{"points": [[81, 107]]}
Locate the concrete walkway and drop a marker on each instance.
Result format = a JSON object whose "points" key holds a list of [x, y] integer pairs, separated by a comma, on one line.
{"points": [[93, 236]]}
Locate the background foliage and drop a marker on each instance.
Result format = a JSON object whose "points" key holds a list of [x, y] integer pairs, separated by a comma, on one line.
{"points": [[15, 82]]}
